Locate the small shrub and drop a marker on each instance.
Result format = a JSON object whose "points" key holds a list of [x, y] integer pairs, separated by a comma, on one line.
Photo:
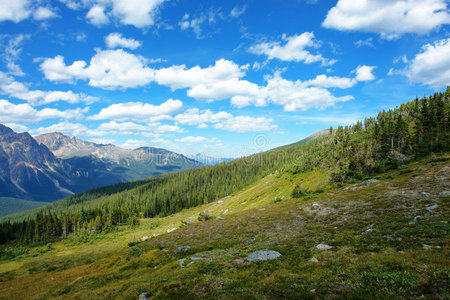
{"points": [[204, 216]]}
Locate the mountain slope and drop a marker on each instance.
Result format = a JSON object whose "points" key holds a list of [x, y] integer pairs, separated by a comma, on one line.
{"points": [[30, 170], [209, 160], [380, 248], [110, 160], [13, 205]]}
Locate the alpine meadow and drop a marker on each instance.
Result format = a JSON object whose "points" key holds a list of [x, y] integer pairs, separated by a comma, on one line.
{"points": [[157, 149]]}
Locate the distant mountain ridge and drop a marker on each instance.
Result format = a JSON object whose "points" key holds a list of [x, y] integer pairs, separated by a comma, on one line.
{"points": [[209, 160], [52, 166]]}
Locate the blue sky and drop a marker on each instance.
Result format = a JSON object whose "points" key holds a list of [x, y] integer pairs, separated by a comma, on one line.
{"points": [[226, 78]]}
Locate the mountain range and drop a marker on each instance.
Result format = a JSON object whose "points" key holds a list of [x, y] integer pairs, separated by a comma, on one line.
{"points": [[52, 166]]}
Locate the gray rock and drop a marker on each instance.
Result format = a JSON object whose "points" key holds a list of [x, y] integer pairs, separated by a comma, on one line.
{"points": [[425, 193], [367, 231], [193, 257], [370, 181], [314, 260], [190, 264], [181, 262], [250, 240], [430, 208], [444, 193], [426, 247], [143, 296], [182, 249], [263, 255], [323, 247]]}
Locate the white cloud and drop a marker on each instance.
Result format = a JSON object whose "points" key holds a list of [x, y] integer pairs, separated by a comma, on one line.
{"points": [[10, 112], [11, 52], [193, 23], [18, 90], [238, 11], [17, 127], [14, 11], [364, 73], [108, 69], [292, 48], [44, 13], [139, 111], [246, 124], [103, 141], [430, 65], [223, 89], [197, 139], [133, 144], [177, 77], [131, 128], [81, 37], [296, 95], [193, 116], [331, 82], [140, 13], [224, 120], [388, 18], [115, 40], [367, 42], [96, 15], [67, 128]]}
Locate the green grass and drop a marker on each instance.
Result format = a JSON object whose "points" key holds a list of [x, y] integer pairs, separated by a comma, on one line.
{"points": [[13, 205], [388, 262]]}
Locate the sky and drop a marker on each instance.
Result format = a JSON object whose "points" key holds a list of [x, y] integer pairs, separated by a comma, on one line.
{"points": [[224, 78]]}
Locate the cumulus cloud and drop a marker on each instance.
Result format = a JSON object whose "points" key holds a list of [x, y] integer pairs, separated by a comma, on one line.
{"points": [[292, 48], [134, 144], [131, 128], [225, 121], [19, 10], [18, 90], [246, 124], [364, 73], [67, 128], [197, 139], [14, 11], [193, 116], [138, 13], [108, 69], [17, 127], [44, 13], [430, 65], [10, 112], [177, 77], [115, 40], [367, 42], [139, 111], [96, 15], [390, 19]]}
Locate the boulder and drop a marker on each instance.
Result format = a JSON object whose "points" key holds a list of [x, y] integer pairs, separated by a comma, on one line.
{"points": [[444, 193], [314, 260], [370, 181], [182, 249], [263, 255], [323, 247], [143, 296]]}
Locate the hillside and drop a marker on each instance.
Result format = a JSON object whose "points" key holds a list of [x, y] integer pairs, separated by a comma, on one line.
{"points": [[392, 140], [53, 166], [30, 170], [389, 239], [112, 162], [359, 213], [13, 205]]}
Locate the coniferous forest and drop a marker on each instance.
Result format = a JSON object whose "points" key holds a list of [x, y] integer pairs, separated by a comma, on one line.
{"points": [[390, 140]]}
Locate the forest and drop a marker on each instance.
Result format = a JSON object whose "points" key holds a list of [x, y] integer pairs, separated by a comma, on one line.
{"points": [[388, 141]]}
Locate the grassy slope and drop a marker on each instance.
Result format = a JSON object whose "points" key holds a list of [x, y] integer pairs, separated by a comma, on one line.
{"points": [[388, 262], [14, 205]]}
